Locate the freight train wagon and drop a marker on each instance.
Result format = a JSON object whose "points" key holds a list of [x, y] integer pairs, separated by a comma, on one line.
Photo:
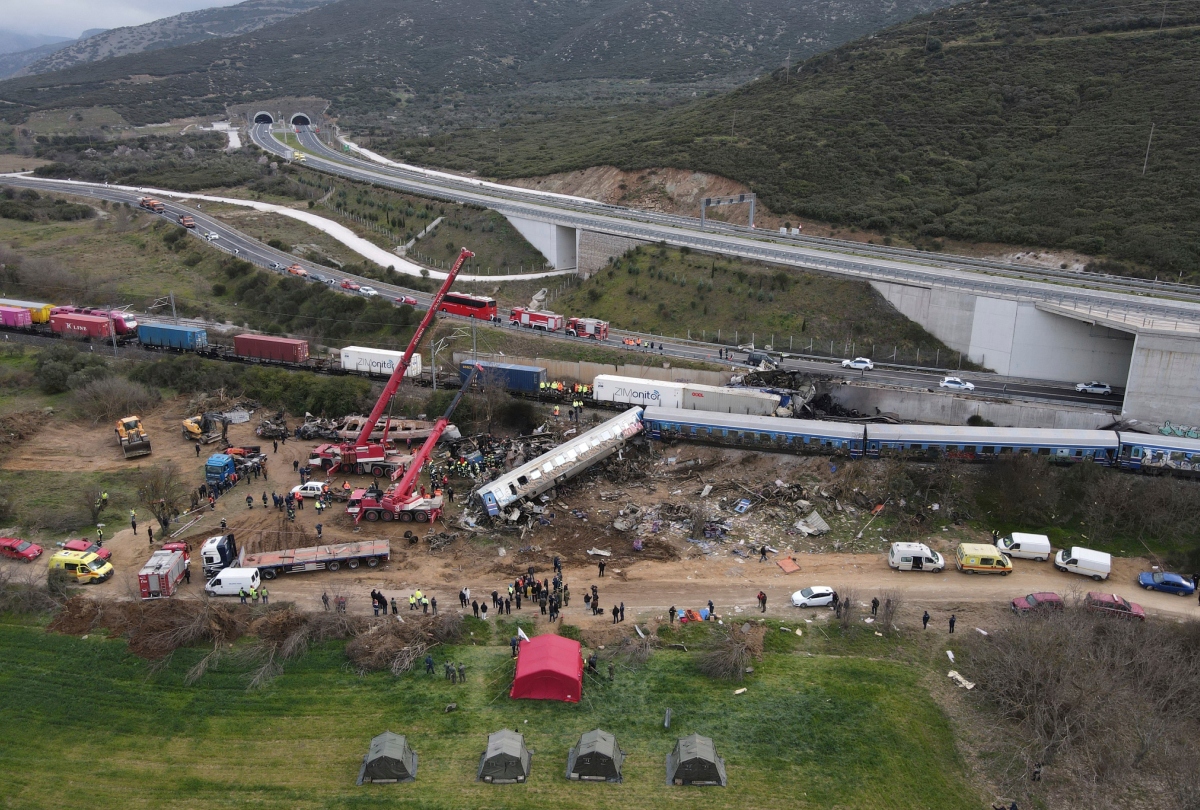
{"points": [[377, 362], [38, 312], [687, 396]]}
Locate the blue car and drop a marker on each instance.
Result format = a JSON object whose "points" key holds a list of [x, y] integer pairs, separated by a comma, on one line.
{"points": [[1167, 583]]}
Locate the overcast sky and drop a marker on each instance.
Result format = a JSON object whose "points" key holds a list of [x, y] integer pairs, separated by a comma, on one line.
{"points": [[69, 18]]}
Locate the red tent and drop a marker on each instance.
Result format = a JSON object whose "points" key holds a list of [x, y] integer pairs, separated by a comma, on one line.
{"points": [[549, 667]]}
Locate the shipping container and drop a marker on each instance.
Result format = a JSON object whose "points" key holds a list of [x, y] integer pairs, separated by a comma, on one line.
{"points": [[15, 318], [161, 575], [81, 326], [516, 378], [38, 311], [377, 362], [278, 349], [729, 400], [170, 336], [636, 391]]}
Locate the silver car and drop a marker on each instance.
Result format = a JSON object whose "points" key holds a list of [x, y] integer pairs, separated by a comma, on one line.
{"points": [[816, 596], [956, 384], [859, 363]]}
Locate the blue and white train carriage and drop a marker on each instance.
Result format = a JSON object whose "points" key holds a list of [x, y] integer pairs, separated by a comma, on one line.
{"points": [[987, 443], [755, 432], [1154, 452]]}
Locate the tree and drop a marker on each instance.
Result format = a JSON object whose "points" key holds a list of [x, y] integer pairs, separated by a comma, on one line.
{"points": [[92, 500], [163, 491]]}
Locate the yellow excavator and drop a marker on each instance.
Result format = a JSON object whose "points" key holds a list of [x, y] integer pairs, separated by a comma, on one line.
{"points": [[132, 437], [204, 428]]}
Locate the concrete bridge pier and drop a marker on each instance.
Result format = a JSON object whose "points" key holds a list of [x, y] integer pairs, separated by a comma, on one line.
{"points": [[569, 248]]}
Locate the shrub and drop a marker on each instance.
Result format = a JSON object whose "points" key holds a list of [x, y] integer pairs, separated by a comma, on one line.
{"points": [[113, 397]]}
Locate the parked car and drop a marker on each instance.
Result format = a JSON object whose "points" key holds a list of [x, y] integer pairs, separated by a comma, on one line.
{"points": [[369, 292], [956, 384], [276, 266], [859, 363], [297, 270], [1094, 387], [88, 547], [406, 299], [19, 549], [816, 596], [310, 489], [1037, 602], [212, 236], [347, 284], [1165, 582], [1111, 604], [316, 277]]}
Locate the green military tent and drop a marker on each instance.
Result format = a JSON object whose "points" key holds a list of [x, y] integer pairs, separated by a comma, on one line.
{"points": [[389, 759], [596, 758], [506, 759], [694, 761]]}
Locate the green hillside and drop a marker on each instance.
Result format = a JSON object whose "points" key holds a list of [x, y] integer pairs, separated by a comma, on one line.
{"points": [[373, 58], [1012, 121]]}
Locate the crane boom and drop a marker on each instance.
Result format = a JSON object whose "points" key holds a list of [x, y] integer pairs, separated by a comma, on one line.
{"points": [[393, 383], [404, 488]]}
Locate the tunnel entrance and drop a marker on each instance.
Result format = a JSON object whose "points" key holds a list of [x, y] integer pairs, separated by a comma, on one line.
{"points": [[264, 118], [301, 120]]}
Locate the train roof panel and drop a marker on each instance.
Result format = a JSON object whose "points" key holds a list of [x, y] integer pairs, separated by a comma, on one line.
{"points": [[16, 302], [737, 421], [1014, 437]]}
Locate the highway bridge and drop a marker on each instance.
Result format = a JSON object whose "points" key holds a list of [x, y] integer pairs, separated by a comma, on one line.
{"points": [[1025, 323]]}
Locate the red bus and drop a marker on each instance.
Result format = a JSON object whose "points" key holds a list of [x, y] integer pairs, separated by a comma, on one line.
{"points": [[470, 306]]}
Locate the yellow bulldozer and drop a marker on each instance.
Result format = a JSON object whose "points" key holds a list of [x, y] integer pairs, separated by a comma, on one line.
{"points": [[132, 437], [206, 428]]}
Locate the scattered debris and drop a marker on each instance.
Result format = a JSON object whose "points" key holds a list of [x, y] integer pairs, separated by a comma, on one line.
{"points": [[813, 524], [960, 680]]}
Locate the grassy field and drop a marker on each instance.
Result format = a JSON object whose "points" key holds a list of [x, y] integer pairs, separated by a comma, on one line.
{"points": [[98, 729], [53, 502]]}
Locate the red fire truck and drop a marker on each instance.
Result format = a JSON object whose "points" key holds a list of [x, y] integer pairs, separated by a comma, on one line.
{"points": [[588, 327], [546, 321], [162, 573]]}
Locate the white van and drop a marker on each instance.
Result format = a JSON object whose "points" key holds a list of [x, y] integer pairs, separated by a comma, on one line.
{"points": [[915, 557], [230, 581], [1076, 560], [1026, 546]]}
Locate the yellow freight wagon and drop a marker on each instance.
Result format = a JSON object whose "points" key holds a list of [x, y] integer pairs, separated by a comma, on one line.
{"points": [[40, 313]]}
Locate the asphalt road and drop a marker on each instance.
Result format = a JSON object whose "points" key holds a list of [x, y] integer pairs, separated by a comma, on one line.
{"points": [[1179, 302], [232, 241]]}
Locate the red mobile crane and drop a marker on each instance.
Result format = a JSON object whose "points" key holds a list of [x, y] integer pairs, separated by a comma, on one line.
{"points": [[360, 455], [399, 502]]}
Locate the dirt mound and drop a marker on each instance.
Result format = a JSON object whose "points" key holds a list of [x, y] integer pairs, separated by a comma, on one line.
{"points": [[19, 426]]}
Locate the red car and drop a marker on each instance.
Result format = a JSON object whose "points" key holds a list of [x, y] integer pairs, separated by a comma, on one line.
{"points": [[297, 270], [347, 284], [1110, 604], [88, 547], [1037, 601], [19, 549], [407, 299]]}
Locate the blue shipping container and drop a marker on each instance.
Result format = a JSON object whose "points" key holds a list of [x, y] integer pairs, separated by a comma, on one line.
{"points": [[169, 336], [516, 378]]}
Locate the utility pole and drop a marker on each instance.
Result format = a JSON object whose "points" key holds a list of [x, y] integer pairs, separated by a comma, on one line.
{"points": [[174, 316], [1149, 141]]}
